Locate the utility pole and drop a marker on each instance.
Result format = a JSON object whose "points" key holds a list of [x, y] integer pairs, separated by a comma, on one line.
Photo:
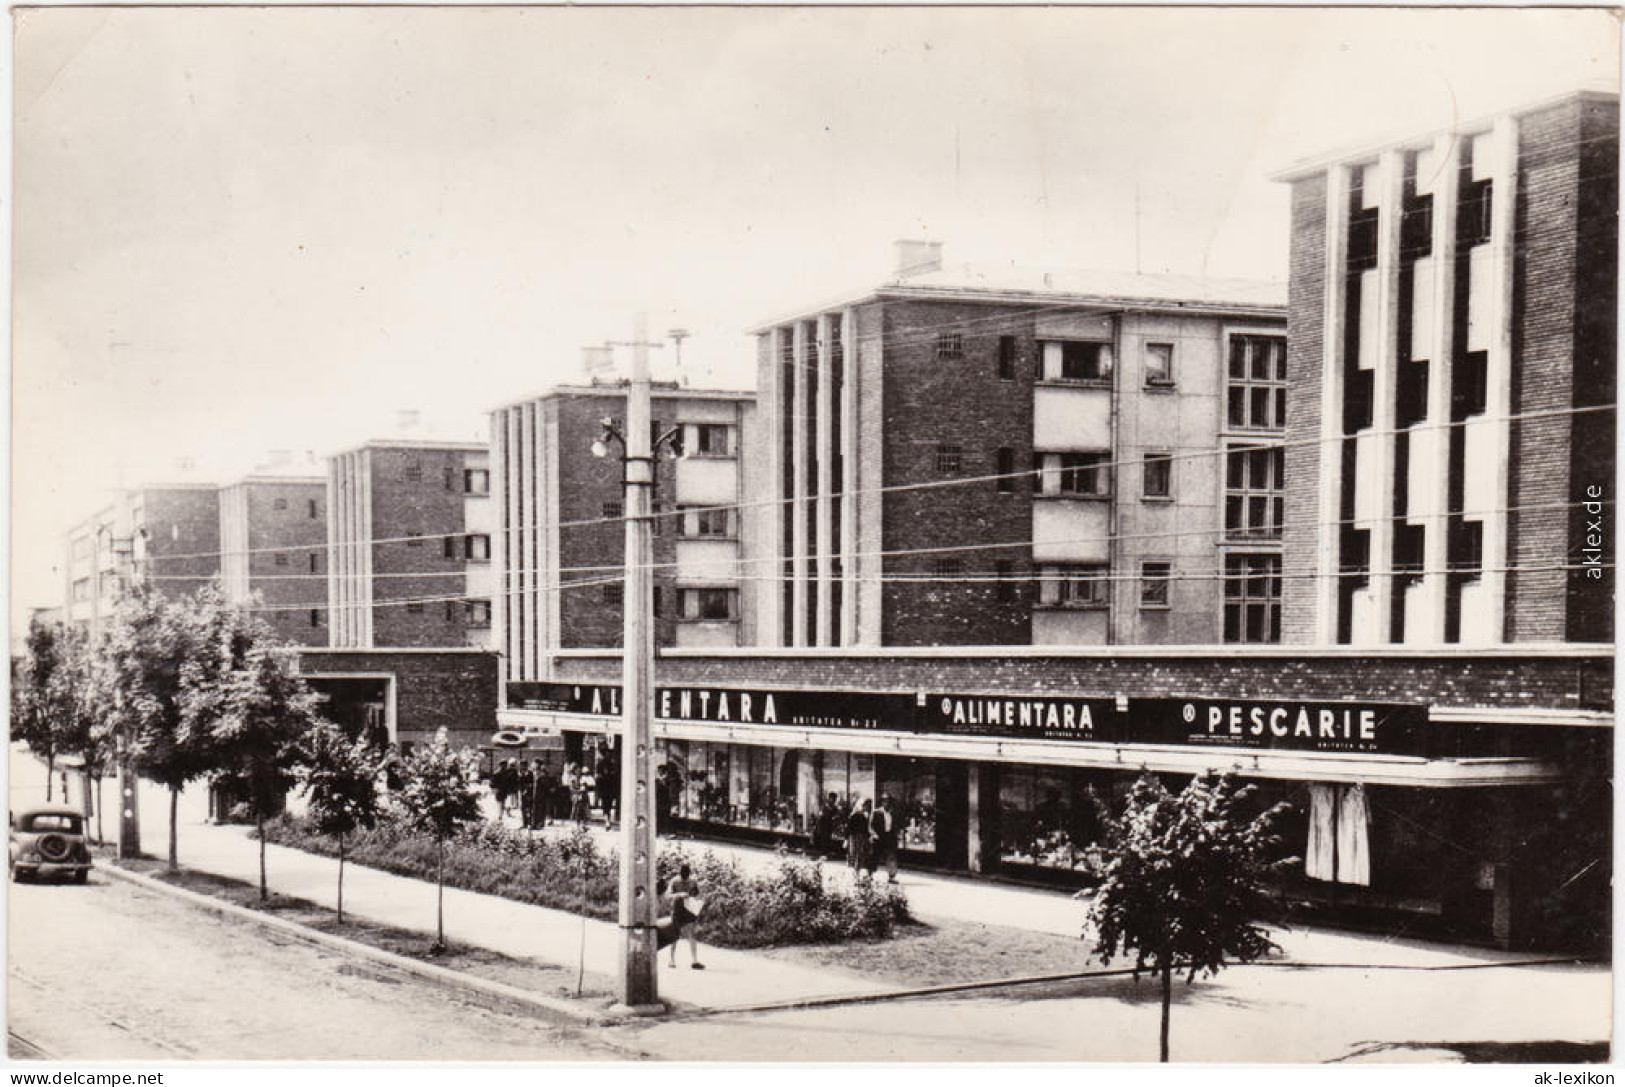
{"points": [[639, 962]]}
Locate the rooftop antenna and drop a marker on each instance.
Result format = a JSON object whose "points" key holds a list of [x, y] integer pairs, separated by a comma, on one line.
{"points": [[678, 335]]}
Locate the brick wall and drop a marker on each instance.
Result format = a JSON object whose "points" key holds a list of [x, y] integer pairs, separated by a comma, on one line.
{"points": [[288, 580], [1498, 680], [964, 402], [456, 691], [1306, 316], [184, 522], [417, 492]]}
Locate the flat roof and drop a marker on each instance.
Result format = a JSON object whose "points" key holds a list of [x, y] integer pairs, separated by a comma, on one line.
{"points": [[659, 390]]}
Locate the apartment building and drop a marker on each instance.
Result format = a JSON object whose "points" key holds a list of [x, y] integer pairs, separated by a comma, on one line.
{"points": [[409, 529], [967, 456], [273, 538], [1453, 349], [561, 532]]}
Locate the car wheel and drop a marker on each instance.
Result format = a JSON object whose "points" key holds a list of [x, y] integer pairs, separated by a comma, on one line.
{"points": [[53, 847], [82, 876]]}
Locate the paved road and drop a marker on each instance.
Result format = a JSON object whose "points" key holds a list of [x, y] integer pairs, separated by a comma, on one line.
{"points": [[114, 972]]}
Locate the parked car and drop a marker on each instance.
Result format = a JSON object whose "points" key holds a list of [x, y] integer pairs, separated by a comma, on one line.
{"points": [[49, 841]]}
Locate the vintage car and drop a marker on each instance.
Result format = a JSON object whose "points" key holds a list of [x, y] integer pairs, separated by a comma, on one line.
{"points": [[49, 840]]}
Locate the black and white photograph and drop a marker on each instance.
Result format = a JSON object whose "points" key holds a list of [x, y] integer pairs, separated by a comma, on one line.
{"points": [[757, 537]]}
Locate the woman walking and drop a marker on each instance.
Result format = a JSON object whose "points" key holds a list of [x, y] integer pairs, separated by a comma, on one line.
{"points": [[859, 845], [686, 905]]}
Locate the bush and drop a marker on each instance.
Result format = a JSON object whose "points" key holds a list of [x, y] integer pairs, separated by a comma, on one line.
{"points": [[791, 904]]}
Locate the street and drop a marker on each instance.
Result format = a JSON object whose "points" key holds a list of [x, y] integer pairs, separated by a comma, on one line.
{"points": [[114, 972]]}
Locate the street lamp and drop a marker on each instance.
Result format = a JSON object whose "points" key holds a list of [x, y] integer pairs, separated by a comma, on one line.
{"points": [[639, 989]]}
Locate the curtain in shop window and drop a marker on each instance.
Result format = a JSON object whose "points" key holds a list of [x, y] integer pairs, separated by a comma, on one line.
{"points": [[1339, 846]]}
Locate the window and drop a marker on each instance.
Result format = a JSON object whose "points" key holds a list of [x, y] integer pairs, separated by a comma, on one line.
{"points": [[950, 459], [1004, 573], [448, 547], [1469, 390], [1159, 364], [281, 558], [1465, 546], [1005, 468], [1473, 213], [414, 471], [413, 540], [612, 594], [1254, 492], [946, 569], [1075, 360], [447, 475], [1257, 388], [477, 547], [477, 613], [476, 481], [712, 440], [310, 508], [315, 617], [1154, 579], [452, 611], [81, 589], [315, 562], [1007, 358], [658, 601], [706, 522], [1081, 474], [1159, 475], [1082, 585], [950, 346], [1252, 598], [415, 607], [612, 511], [707, 605], [279, 503]]}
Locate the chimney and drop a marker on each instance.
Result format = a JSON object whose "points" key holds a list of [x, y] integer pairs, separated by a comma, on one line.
{"points": [[597, 360], [915, 257]]}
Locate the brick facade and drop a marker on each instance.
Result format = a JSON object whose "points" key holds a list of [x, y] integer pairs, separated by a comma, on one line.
{"points": [[454, 689], [292, 584], [417, 492], [1305, 347]]}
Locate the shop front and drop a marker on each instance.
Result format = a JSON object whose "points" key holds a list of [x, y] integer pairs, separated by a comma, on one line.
{"points": [[1389, 817]]}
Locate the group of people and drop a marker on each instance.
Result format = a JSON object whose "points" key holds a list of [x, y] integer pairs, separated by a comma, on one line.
{"points": [[531, 791], [871, 834]]}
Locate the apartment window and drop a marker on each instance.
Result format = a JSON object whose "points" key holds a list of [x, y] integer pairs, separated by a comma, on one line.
{"points": [[452, 611], [1004, 573], [950, 459], [1159, 364], [315, 561], [1257, 386], [415, 607], [476, 481], [447, 476], [477, 614], [1005, 468], [310, 508], [1007, 358], [1154, 581], [1076, 585], [712, 440], [658, 611], [1465, 546], [1252, 598], [414, 471], [716, 523], [1254, 492], [315, 617], [414, 540], [612, 594], [1416, 226], [707, 605], [950, 346], [612, 511], [1086, 475], [1077, 360], [448, 547], [1159, 475], [281, 558], [81, 589], [477, 547], [946, 569], [279, 503], [1473, 213], [1469, 392]]}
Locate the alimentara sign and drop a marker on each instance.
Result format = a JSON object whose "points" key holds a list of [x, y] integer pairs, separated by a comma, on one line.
{"points": [[1371, 728]]}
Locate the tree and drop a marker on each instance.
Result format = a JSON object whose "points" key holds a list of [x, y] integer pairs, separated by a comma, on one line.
{"points": [[150, 642], [340, 778], [36, 714], [254, 710], [440, 790], [1185, 884], [80, 686]]}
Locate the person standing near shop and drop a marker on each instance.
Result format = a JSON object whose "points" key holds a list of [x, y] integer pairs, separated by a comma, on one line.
{"points": [[580, 786], [859, 846], [686, 904], [883, 827]]}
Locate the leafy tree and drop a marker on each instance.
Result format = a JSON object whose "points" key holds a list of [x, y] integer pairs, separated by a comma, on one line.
{"points": [[80, 686], [254, 711], [150, 642], [36, 714], [1185, 882], [440, 790], [340, 778]]}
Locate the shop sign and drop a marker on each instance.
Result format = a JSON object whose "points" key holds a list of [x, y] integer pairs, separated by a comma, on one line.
{"points": [[727, 706], [1043, 717], [592, 699], [1366, 727]]}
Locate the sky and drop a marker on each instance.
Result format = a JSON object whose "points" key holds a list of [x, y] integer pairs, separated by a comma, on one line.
{"points": [[239, 230]]}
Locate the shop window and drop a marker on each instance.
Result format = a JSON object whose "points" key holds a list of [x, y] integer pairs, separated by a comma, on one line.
{"points": [[1078, 585], [1047, 819], [912, 786]]}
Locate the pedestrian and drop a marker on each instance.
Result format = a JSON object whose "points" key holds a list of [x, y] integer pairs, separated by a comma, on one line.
{"points": [[580, 784], [608, 779], [686, 905], [825, 826], [503, 783], [663, 798], [525, 792], [883, 827], [858, 851], [541, 794]]}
